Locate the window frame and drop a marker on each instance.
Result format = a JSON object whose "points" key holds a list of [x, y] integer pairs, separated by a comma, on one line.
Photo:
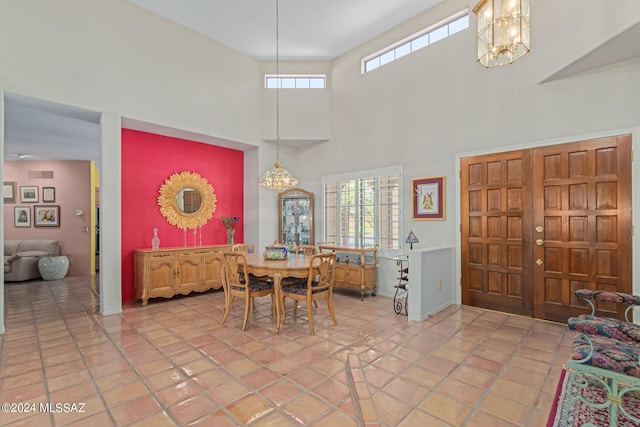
{"points": [[396, 171], [388, 54], [295, 77]]}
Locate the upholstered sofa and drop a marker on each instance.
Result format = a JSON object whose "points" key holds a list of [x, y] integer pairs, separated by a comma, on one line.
{"points": [[21, 257]]}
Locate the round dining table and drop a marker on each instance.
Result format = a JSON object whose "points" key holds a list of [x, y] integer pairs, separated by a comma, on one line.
{"points": [[296, 265]]}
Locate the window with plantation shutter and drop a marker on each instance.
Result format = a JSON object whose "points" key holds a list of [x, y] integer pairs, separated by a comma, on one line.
{"points": [[362, 210]]}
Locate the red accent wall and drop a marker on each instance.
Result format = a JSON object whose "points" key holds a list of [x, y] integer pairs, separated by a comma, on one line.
{"points": [[147, 160]]}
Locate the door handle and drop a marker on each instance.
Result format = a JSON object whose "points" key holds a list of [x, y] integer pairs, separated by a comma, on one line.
{"points": [[539, 242]]}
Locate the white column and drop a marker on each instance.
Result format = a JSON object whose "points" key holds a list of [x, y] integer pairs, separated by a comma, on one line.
{"points": [[110, 215]]}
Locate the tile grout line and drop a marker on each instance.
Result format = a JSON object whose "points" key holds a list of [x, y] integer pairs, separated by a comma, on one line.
{"points": [[75, 341]]}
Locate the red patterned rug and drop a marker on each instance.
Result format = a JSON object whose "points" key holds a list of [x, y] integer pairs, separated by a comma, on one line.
{"points": [[562, 414]]}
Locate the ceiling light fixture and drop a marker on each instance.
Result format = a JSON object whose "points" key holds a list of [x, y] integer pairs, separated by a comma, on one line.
{"points": [[503, 31], [277, 178]]}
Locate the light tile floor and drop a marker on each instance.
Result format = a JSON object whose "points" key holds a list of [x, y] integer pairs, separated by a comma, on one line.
{"points": [[173, 363]]}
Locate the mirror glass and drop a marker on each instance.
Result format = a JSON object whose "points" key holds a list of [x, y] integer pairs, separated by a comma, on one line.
{"points": [[188, 200]]}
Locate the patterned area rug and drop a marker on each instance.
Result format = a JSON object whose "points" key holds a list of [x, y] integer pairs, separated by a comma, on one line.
{"points": [[563, 414]]}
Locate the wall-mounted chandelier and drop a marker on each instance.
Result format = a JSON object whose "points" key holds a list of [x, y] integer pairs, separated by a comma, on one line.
{"points": [[503, 31], [277, 178]]}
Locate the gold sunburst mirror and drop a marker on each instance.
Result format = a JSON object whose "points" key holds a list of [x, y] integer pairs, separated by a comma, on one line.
{"points": [[187, 200]]}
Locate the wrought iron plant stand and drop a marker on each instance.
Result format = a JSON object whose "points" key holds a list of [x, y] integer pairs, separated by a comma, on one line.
{"points": [[401, 297]]}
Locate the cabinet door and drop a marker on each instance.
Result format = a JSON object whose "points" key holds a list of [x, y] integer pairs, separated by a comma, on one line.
{"points": [[369, 276], [353, 275], [213, 270], [341, 274], [189, 272], [161, 277]]}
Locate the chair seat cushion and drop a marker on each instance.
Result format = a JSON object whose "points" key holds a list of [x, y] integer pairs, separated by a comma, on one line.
{"points": [[611, 328], [301, 289], [256, 286], [608, 353], [618, 297], [302, 281]]}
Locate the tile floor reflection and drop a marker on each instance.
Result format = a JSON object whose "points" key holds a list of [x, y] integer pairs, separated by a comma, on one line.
{"points": [[172, 363]]}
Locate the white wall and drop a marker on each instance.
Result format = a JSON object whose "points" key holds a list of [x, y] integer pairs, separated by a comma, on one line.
{"points": [[114, 56], [423, 109], [305, 114]]}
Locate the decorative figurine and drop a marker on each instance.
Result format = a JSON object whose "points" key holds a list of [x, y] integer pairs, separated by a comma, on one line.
{"points": [[155, 241]]}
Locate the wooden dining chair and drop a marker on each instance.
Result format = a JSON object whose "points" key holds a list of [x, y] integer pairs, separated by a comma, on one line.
{"points": [[319, 286], [305, 250], [236, 285], [247, 248]]}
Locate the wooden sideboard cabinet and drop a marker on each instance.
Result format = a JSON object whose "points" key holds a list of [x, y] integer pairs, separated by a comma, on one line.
{"points": [[171, 271], [356, 268]]}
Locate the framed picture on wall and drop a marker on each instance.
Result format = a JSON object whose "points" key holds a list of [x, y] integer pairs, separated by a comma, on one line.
{"points": [[46, 216], [22, 216], [48, 194], [29, 194], [428, 198], [9, 191]]}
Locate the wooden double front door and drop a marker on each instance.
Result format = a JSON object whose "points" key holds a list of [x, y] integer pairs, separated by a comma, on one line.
{"points": [[538, 224]]}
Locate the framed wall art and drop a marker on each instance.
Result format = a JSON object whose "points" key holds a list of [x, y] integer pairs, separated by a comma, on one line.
{"points": [[22, 216], [428, 198], [29, 195], [48, 194], [46, 216], [9, 191]]}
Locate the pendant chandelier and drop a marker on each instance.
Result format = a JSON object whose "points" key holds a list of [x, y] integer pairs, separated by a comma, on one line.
{"points": [[503, 31], [277, 178]]}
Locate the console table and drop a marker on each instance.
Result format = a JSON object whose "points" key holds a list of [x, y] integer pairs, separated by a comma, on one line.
{"points": [[171, 271], [356, 268]]}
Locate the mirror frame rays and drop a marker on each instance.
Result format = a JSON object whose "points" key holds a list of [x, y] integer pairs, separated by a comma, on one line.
{"points": [[169, 208]]}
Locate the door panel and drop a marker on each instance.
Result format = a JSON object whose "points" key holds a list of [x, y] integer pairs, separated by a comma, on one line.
{"points": [[582, 197], [538, 224], [496, 212]]}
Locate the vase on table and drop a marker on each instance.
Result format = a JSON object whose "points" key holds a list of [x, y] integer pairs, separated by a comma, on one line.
{"points": [[230, 233]]}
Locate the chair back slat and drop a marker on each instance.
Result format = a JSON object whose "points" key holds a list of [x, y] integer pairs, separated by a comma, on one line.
{"points": [[235, 269], [307, 249], [321, 272], [247, 248]]}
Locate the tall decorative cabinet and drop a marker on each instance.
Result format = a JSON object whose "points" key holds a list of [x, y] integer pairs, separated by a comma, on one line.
{"points": [[295, 213], [167, 272]]}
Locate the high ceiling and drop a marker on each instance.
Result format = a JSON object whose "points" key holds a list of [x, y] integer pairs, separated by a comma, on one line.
{"points": [[308, 29]]}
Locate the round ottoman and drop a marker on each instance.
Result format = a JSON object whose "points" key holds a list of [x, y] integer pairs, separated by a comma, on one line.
{"points": [[53, 267]]}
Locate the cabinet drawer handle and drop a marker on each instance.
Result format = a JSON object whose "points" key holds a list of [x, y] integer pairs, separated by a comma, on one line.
{"points": [[160, 255]]}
